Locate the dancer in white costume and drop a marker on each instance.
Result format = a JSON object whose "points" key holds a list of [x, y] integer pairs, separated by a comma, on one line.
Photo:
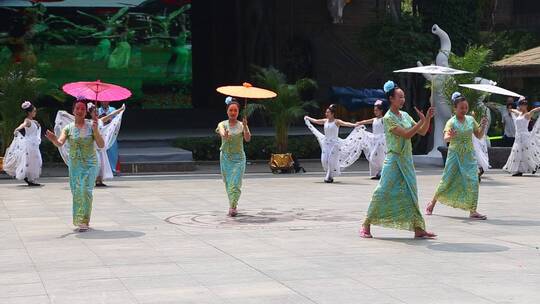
{"points": [[375, 150], [109, 132], [23, 158], [337, 153], [525, 155]]}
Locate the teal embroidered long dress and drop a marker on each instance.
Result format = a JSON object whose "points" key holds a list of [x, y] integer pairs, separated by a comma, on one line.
{"points": [[232, 160], [395, 201], [458, 187], [83, 170]]}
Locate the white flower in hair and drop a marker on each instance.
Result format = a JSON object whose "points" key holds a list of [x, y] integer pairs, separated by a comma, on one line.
{"points": [[378, 102], [90, 106], [456, 95], [26, 105], [228, 100]]}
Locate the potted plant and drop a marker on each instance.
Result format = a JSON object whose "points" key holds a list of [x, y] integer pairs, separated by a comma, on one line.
{"points": [[283, 110]]}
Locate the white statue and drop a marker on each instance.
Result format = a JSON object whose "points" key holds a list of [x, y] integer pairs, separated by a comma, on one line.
{"points": [[336, 10], [443, 111]]}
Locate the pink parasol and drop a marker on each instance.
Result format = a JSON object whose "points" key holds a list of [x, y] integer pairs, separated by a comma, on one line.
{"points": [[96, 90]]}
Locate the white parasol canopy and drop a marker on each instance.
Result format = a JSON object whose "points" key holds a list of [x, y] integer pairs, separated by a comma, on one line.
{"points": [[433, 70], [490, 89]]}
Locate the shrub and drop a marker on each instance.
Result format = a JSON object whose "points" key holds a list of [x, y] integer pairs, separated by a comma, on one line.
{"points": [[260, 147]]}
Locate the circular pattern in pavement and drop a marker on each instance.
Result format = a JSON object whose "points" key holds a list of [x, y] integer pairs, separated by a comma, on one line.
{"points": [[269, 218]]}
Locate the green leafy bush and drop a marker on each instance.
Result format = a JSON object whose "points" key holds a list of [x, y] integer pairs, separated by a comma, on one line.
{"points": [[260, 147], [49, 153]]}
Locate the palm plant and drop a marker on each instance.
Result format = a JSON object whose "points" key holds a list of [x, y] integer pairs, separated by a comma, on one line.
{"points": [[19, 82], [287, 107], [475, 60]]}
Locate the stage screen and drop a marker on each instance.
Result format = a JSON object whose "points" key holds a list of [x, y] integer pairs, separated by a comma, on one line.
{"points": [[142, 45]]}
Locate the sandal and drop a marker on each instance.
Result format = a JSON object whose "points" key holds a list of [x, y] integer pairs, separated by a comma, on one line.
{"points": [[429, 211], [83, 228], [365, 234], [425, 235], [478, 216], [233, 212]]}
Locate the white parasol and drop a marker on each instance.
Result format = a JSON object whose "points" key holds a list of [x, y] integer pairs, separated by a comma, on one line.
{"points": [[432, 70], [490, 89]]}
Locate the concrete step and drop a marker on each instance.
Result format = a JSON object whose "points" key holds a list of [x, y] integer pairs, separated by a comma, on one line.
{"points": [[144, 143], [153, 154], [157, 167]]}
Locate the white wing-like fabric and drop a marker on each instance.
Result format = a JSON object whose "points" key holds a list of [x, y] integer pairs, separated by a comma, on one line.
{"points": [[63, 119], [481, 152], [317, 133], [375, 151], [14, 155], [534, 145], [109, 133], [350, 148]]}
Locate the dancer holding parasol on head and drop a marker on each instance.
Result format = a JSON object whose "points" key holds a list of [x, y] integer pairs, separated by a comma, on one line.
{"points": [[82, 136], [102, 93], [233, 133]]}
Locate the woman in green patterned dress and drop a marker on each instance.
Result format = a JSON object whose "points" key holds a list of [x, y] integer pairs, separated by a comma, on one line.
{"points": [[81, 135], [232, 157], [458, 187], [395, 201]]}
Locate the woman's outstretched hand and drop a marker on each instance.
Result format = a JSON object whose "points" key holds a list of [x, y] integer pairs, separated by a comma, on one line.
{"points": [[420, 114], [50, 136]]}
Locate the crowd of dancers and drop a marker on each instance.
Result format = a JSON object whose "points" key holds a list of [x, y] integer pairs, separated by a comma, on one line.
{"points": [[86, 139]]}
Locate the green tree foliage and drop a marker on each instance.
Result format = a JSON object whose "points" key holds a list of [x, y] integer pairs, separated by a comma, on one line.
{"points": [[20, 82], [287, 107], [506, 43], [476, 60], [398, 44]]}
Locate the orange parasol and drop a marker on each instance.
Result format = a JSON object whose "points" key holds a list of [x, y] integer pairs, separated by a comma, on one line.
{"points": [[246, 90]]}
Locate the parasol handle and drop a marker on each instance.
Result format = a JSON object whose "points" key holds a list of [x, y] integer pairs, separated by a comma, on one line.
{"points": [[245, 107], [432, 101]]}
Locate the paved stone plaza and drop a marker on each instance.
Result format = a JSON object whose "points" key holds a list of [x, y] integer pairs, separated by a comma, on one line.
{"points": [[166, 239]]}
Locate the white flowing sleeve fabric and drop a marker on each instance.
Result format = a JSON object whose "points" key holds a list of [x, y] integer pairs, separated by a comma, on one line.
{"points": [[481, 152], [352, 147], [109, 132], [534, 145], [63, 119], [14, 155], [320, 137]]}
